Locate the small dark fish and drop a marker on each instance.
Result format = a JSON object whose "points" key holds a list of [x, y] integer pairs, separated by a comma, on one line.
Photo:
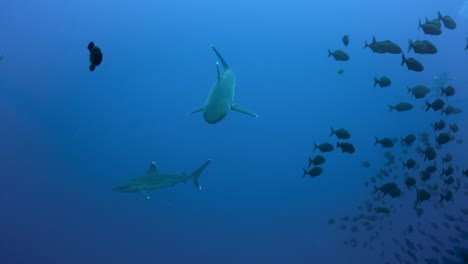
{"points": [[431, 169], [346, 147], [443, 138], [451, 110], [449, 180], [365, 164], [382, 82], [314, 172], [448, 91], [317, 160], [324, 147], [386, 188], [429, 153], [345, 39], [439, 125], [447, 172], [466, 47], [419, 91], [339, 55], [412, 64], [331, 221], [465, 173], [430, 28], [383, 210], [422, 47], [437, 105], [385, 46], [95, 56], [447, 158], [340, 133], [401, 107], [447, 196], [408, 140], [410, 163], [384, 142], [422, 195], [447, 20], [410, 182], [454, 128]]}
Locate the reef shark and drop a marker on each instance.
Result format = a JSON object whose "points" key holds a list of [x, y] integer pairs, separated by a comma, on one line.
{"points": [[221, 97], [154, 179]]}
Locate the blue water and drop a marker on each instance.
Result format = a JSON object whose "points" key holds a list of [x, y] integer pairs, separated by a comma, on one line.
{"points": [[68, 135]]}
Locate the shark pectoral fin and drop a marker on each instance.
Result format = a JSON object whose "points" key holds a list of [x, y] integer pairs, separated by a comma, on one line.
{"points": [[196, 174], [151, 169], [145, 194], [196, 111], [219, 71], [242, 109]]}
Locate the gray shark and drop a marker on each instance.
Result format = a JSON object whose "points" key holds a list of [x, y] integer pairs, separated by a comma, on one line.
{"points": [[154, 179], [221, 97]]}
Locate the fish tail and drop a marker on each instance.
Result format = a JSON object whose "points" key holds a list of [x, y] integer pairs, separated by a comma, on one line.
{"points": [[403, 59], [439, 16], [428, 106], [420, 25], [410, 45], [377, 141], [305, 173], [338, 145], [404, 164], [196, 174], [367, 45], [332, 131], [443, 91], [442, 197], [391, 107], [310, 162], [329, 53], [315, 147], [376, 81], [409, 90]]}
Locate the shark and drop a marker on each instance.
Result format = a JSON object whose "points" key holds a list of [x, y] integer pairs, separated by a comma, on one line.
{"points": [[221, 96], [154, 179]]}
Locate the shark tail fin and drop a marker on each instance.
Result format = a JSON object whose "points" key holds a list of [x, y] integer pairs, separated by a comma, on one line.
{"points": [[221, 59], [197, 174]]}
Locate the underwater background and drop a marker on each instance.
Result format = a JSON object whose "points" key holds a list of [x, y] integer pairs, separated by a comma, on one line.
{"points": [[68, 135]]}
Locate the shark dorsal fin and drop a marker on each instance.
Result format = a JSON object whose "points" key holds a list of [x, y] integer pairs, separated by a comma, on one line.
{"points": [[151, 169], [218, 69]]}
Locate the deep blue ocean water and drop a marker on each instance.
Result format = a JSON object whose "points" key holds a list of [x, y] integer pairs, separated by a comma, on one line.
{"points": [[68, 135]]}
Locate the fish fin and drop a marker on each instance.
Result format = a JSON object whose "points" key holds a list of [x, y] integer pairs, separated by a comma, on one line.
{"points": [[439, 16], [151, 169], [377, 141], [242, 109], [223, 62], [196, 174], [219, 71], [92, 67], [145, 194], [196, 111], [410, 45], [90, 46], [373, 39], [428, 106]]}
